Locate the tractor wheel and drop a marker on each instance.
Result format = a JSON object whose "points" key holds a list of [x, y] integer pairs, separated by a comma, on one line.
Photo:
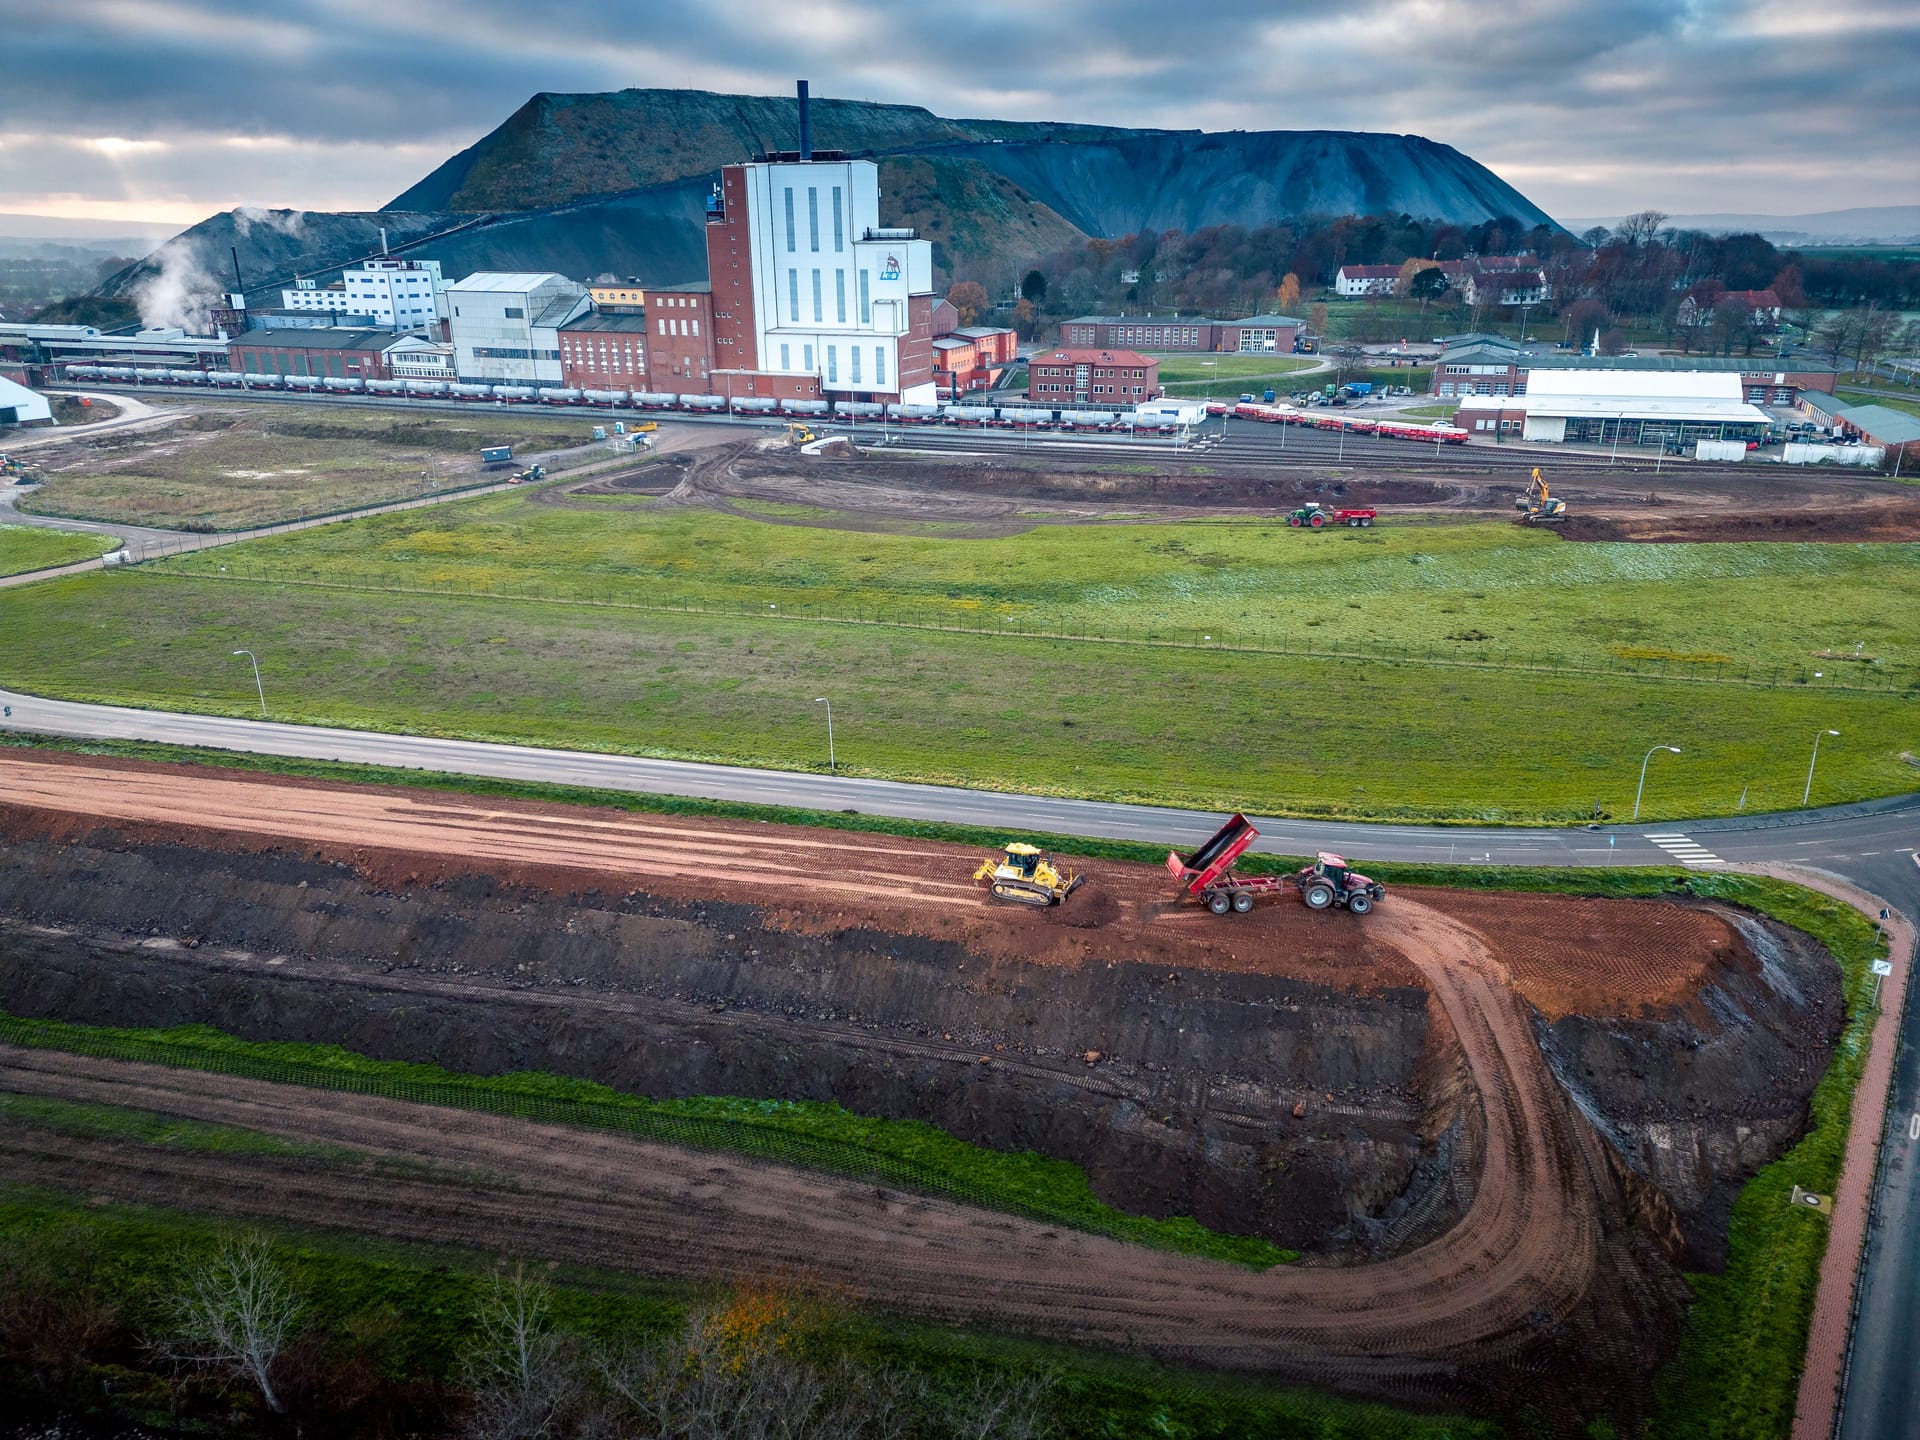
{"points": [[1317, 521], [1318, 897], [1359, 902], [1219, 902], [1294, 521], [1242, 901]]}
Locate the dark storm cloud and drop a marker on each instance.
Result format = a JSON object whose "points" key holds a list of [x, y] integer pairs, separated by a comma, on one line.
{"points": [[1589, 106]]}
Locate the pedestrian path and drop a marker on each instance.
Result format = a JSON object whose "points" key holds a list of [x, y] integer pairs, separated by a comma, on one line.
{"points": [[1687, 851]]}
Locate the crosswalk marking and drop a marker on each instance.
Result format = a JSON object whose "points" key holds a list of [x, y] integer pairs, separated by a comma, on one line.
{"points": [[1687, 851]]}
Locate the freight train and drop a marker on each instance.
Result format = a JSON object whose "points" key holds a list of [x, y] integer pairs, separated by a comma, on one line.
{"points": [[963, 414], [1438, 433]]}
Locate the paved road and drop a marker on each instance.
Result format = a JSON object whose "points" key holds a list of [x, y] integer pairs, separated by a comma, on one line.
{"points": [[1873, 846]]}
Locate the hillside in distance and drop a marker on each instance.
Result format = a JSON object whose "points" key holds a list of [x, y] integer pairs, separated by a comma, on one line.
{"points": [[1105, 180], [614, 184]]}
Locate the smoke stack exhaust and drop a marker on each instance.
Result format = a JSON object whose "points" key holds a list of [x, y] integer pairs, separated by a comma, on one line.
{"points": [[806, 125], [238, 284]]}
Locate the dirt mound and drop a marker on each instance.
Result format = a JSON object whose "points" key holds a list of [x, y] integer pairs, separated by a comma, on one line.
{"points": [[1883, 523]]}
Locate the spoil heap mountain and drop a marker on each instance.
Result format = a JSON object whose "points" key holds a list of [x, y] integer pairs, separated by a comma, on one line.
{"points": [[586, 184]]}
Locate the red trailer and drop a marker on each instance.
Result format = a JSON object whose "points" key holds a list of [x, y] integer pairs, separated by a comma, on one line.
{"points": [[1208, 873]]}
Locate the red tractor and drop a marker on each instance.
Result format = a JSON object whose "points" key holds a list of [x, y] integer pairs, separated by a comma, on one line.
{"points": [[1329, 882]]}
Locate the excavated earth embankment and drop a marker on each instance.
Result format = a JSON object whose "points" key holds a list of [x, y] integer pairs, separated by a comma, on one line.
{"points": [[1496, 1124]]}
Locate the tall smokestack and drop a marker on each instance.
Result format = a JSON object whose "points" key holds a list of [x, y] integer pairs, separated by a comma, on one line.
{"points": [[806, 125], [238, 284], [383, 240]]}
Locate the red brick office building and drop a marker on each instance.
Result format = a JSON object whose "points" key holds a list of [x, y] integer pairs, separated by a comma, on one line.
{"points": [[1103, 379]]}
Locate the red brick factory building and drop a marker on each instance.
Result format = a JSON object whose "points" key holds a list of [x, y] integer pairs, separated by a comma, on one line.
{"points": [[603, 351], [1103, 379]]}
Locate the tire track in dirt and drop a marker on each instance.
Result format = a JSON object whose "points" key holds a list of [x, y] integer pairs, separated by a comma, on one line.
{"points": [[1523, 1257]]}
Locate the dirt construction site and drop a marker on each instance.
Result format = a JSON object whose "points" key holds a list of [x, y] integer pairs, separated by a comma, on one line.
{"points": [[1002, 492], [1497, 1127]]}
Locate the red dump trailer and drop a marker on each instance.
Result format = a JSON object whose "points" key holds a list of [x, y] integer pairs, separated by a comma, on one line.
{"points": [[1208, 873]]}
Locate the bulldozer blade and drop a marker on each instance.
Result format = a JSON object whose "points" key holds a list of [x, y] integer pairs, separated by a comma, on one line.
{"points": [[1073, 885]]}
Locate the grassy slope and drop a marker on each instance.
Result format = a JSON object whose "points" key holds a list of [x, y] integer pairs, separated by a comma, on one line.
{"points": [[260, 463], [26, 547], [809, 1134]]}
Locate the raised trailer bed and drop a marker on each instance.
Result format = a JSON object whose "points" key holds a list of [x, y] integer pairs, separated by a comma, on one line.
{"points": [[1208, 874]]}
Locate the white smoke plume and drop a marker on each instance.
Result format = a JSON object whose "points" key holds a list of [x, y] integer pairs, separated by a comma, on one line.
{"points": [[288, 222], [181, 293]]}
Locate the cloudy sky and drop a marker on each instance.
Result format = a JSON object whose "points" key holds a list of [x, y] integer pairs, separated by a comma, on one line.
{"points": [[168, 110]]}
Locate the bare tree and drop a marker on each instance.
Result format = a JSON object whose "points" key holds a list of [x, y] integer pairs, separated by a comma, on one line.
{"points": [[999, 1406], [706, 1385], [233, 1315], [1638, 230], [519, 1367]]}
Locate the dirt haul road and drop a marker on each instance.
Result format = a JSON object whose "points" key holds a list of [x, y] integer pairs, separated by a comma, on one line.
{"points": [[985, 497], [1523, 1257], [1543, 1236]]}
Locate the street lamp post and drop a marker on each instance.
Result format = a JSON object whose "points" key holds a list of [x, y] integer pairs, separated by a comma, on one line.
{"points": [[832, 765], [1806, 795], [256, 681], [1643, 775]]}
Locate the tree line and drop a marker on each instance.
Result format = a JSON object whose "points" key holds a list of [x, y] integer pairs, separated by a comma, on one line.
{"points": [[1638, 273]]}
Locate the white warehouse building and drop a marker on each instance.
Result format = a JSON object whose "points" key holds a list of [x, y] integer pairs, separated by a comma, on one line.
{"points": [[505, 325], [1628, 407], [399, 294]]}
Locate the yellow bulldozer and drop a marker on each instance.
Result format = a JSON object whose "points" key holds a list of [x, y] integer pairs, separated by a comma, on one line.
{"points": [[1538, 506], [1027, 875]]}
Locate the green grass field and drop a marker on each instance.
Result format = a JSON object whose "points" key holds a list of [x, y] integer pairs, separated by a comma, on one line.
{"points": [[1906, 400], [27, 547], [1188, 374], [1211, 728], [257, 463]]}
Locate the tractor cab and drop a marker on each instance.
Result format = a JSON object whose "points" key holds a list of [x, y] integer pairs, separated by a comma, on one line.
{"points": [[1330, 881]]}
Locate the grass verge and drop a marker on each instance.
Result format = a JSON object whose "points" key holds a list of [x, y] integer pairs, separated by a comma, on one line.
{"points": [[29, 547], [807, 1134]]}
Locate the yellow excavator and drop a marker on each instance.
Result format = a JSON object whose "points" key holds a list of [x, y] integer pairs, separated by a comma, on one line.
{"points": [[1027, 875], [1538, 506], [798, 435]]}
